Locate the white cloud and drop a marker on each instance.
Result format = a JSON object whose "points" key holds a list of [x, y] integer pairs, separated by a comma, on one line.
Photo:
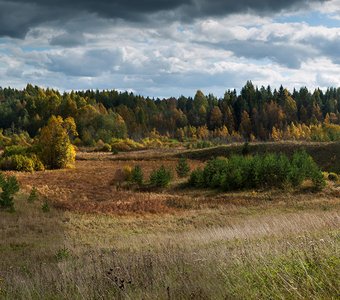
{"points": [[213, 54]]}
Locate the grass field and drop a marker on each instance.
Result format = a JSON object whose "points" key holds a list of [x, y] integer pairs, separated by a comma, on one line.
{"points": [[99, 243]]}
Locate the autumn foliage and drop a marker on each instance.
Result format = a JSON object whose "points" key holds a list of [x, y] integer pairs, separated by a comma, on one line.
{"points": [[55, 148]]}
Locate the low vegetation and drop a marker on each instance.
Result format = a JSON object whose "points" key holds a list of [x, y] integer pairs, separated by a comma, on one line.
{"points": [[286, 248], [137, 175], [9, 187], [160, 177], [126, 227], [260, 171], [182, 167]]}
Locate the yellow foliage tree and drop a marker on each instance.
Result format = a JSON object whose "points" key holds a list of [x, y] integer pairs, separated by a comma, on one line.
{"points": [[276, 134], [56, 150]]}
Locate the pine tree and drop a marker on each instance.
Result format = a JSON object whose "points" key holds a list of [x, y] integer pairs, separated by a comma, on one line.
{"points": [[182, 167], [33, 195], [137, 175], [9, 186]]}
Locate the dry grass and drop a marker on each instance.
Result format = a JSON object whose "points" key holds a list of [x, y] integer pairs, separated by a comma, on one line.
{"points": [[210, 254], [170, 244], [89, 187]]}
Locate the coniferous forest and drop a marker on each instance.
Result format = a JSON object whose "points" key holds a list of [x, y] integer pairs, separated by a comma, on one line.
{"points": [[255, 113]]}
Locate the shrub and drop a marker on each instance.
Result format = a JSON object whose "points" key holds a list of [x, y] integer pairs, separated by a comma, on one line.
{"points": [[19, 162], [271, 170], [38, 165], [160, 177], [182, 167], [137, 175], [150, 143], [125, 145], [103, 147], [106, 148], [213, 171], [127, 172], [197, 178], [305, 168], [9, 186], [233, 176], [15, 150], [45, 206], [33, 195]]}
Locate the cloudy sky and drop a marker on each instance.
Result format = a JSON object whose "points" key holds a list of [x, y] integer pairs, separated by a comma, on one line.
{"points": [[163, 48]]}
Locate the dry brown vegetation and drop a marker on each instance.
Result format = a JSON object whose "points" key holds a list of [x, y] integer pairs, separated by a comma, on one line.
{"points": [[90, 187], [99, 243]]}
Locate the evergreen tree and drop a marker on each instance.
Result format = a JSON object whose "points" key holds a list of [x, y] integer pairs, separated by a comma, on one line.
{"points": [[9, 186], [182, 167], [137, 175]]}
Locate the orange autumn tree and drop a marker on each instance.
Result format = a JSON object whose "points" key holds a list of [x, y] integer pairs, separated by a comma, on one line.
{"points": [[55, 148]]}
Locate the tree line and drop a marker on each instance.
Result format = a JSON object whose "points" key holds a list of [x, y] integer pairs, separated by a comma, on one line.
{"points": [[252, 114]]}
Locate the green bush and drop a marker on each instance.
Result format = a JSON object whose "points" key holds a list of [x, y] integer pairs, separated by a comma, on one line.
{"points": [[213, 171], [9, 186], [304, 167], [270, 170], [15, 150], [197, 178], [182, 167], [137, 175], [19, 162], [33, 195], [160, 177]]}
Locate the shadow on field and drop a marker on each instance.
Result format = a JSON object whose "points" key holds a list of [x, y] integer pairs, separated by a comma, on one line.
{"points": [[326, 155]]}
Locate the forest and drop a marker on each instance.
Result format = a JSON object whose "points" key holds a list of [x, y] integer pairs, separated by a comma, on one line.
{"points": [[104, 116]]}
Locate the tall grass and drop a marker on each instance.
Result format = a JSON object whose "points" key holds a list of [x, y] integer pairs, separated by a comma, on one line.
{"points": [[271, 256], [292, 268]]}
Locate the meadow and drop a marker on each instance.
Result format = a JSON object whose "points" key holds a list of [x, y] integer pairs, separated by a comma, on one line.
{"points": [[84, 239]]}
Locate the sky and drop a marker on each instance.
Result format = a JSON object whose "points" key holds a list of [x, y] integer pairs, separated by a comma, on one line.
{"points": [[163, 48]]}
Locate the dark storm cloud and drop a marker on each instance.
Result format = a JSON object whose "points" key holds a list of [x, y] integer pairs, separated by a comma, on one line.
{"points": [[18, 16], [68, 40]]}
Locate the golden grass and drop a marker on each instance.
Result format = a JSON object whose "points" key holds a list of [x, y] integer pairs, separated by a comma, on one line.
{"points": [[170, 244], [89, 187], [197, 254]]}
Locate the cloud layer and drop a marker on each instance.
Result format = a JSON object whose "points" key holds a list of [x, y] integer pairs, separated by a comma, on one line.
{"points": [[17, 17], [168, 48]]}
